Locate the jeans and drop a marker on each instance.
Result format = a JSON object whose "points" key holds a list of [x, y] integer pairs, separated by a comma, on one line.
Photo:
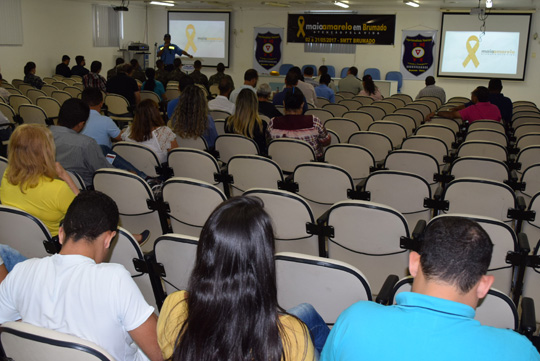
{"points": [[10, 256], [121, 163], [314, 322]]}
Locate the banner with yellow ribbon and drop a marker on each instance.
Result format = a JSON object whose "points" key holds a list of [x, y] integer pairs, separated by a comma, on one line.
{"points": [[190, 38]]}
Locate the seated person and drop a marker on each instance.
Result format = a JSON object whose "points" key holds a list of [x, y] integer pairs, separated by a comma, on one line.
{"points": [[112, 72], [79, 68], [370, 89], [308, 77], [63, 68], [221, 102], [432, 90], [324, 91], [198, 77], [291, 82], [182, 85], [436, 320], [93, 79], [216, 78], [153, 85], [30, 76], [123, 84], [247, 122], [149, 129], [265, 104], [77, 293], [350, 83], [323, 69], [138, 72], [293, 124]]}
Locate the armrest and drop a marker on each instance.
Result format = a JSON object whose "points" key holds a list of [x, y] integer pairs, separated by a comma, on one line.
{"points": [[446, 169], [383, 297], [438, 194], [523, 243], [521, 205], [527, 324], [419, 228]]}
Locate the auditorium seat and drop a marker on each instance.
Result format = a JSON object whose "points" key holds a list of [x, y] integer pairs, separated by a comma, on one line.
{"points": [[388, 107], [61, 96], [34, 93], [344, 71], [50, 106], [361, 118], [250, 171], [365, 100], [395, 75], [441, 132], [398, 102], [147, 94], [284, 68], [405, 97], [288, 153], [419, 163], [479, 167], [8, 112], [32, 114], [342, 126], [374, 72], [195, 143], [378, 144], [351, 104], [416, 114], [17, 100], [48, 89], [196, 164], [488, 135], [376, 112], [311, 66], [449, 123], [75, 92], [140, 156], [433, 104], [229, 145], [219, 114], [118, 108], [483, 149], [405, 120], [395, 131], [430, 145], [530, 182], [320, 101], [356, 160]]}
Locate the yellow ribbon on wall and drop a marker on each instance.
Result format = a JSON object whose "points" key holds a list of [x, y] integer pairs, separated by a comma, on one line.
{"points": [[472, 51], [190, 38], [301, 22]]}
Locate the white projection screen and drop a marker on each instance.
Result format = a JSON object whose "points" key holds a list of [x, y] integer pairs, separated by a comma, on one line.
{"points": [[205, 35], [500, 52]]}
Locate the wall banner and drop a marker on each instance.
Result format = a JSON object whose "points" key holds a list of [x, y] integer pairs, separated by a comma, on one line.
{"points": [[417, 54], [341, 29], [268, 52]]}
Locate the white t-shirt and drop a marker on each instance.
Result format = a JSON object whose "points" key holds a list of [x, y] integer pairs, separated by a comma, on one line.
{"points": [[74, 295], [221, 103], [160, 142]]}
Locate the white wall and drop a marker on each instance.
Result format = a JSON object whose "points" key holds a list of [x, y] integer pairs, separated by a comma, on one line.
{"points": [[54, 27]]}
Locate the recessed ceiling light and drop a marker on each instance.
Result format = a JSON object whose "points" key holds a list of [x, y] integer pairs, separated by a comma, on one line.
{"points": [[161, 3], [489, 4], [275, 3], [341, 4], [411, 3]]}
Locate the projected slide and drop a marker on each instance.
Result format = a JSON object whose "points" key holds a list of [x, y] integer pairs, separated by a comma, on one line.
{"points": [[474, 52], [204, 39]]}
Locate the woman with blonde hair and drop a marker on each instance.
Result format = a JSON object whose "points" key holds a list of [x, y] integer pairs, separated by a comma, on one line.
{"points": [[149, 129], [246, 120], [33, 181], [191, 118]]}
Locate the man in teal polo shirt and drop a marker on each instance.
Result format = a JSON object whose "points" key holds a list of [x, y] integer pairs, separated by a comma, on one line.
{"points": [[436, 320]]}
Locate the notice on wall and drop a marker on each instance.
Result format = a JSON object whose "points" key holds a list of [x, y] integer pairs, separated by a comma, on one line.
{"points": [[417, 60], [341, 29], [268, 53]]}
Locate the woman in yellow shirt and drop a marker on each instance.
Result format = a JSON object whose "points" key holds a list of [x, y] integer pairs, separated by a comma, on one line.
{"points": [[31, 180], [232, 296]]}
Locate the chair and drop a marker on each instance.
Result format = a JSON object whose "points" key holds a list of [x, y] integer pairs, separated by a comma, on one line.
{"points": [[50, 106], [250, 171], [368, 234], [32, 114], [388, 107], [229, 145], [516, 108], [405, 97], [405, 120], [220, 126], [523, 102], [336, 109], [483, 149], [61, 96], [328, 285], [395, 75], [518, 132], [331, 71], [75, 92], [432, 104], [378, 144], [449, 123], [48, 89], [288, 153], [344, 72], [292, 219], [361, 118], [33, 94], [356, 160], [351, 104], [8, 112], [342, 126], [480, 167], [422, 164], [14, 91], [528, 140], [423, 108], [487, 124], [219, 114], [527, 157], [395, 131], [196, 164], [48, 79], [3, 167], [70, 81], [59, 84], [462, 100], [77, 179], [148, 94], [24, 232], [530, 182], [374, 72], [138, 208], [365, 100], [284, 68], [488, 135], [118, 108], [334, 137], [195, 143], [398, 102], [441, 132], [190, 203], [376, 112], [177, 254], [171, 94], [23, 341], [15, 101], [429, 145], [524, 120], [320, 101], [23, 88], [416, 114]]}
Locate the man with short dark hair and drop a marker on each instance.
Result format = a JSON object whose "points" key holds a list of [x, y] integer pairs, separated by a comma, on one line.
{"points": [[63, 68], [123, 84], [216, 78], [78, 293], [436, 320], [138, 72], [167, 52], [308, 77], [222, 100], [198, 77], [481, 108], [291, 82], [432, 90], [79, 69], [323, 69], [497, 98], [351, 83], [112, 72], [93, 79], [176, 74], [250, 82], [324, 91]]}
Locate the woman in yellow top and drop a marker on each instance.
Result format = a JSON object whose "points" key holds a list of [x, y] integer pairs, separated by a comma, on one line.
{"points": [[232, 296], [33, 181]]}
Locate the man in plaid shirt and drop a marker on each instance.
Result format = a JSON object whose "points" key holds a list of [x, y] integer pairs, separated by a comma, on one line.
{"points": [[93, 79]]}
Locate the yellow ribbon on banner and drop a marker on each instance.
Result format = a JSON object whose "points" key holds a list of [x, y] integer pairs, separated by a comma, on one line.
{"points": [[472, 51], [190, 38], [301, 22]]}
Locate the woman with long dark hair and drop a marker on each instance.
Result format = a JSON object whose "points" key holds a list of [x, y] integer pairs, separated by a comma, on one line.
{"points": [[232, 296], [370, 89], [153, 85]]}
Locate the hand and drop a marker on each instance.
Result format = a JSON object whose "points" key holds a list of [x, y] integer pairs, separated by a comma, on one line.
{"points": [[62, 174], [429, 116], [190, 56], [167, 43]]}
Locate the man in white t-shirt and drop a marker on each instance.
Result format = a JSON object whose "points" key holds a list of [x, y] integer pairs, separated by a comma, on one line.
{"points": [[222, 100], [73, 292]]}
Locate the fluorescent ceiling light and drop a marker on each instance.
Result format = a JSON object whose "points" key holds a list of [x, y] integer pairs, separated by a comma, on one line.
{"points": [[489, 4], [161, 3], [411, 3], [340, 4], [275, 3]]}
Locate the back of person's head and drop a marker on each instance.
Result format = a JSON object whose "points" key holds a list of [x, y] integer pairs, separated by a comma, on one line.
{"points": [[251, 74], [150, 73], [95, 66], [456, 251], [79, 59], [92, 96], [353, 70], [197, 64], [72, 112], [177, 62], [482, 94], [29, 67], [119, 61], [296, 70], [291, 79], [495, 85], [232, 302], [31, 154], [225, 86], [90, 214], [160, 64], [294, 98], [369, 85], [134, 62], [65, 57], [220, 68], [308, 71], [146, 118], [430, 80], [323, 69], [325, 79], [191, 113], [264, 90], [246, 114], [184, 82], [126, 68]]}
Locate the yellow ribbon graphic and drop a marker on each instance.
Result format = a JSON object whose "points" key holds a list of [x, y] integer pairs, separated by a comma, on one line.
{"points": [[190, 38], [301, 22], [472, 51]]}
